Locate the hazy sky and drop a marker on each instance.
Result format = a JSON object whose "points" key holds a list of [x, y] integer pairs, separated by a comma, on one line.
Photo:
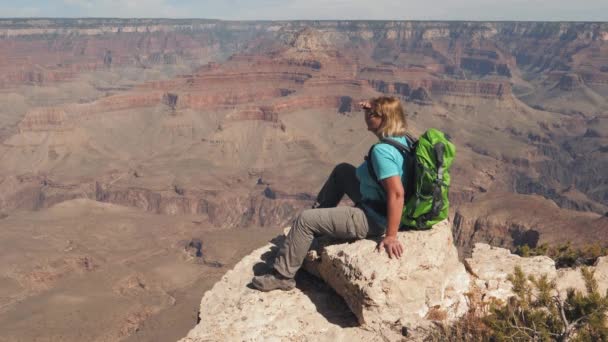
{"points": [[581, 10]]}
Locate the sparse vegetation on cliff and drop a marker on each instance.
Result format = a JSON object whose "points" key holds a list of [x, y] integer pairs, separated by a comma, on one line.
{"points": [[565, 255], [470, 327], [537, 312]]}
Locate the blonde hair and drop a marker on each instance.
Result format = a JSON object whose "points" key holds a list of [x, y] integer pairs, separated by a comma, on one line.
{"points": [[393, 115]]}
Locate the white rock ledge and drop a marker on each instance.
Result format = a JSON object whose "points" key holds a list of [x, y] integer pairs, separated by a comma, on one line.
{"points": [[428, 283], [232, 311]]}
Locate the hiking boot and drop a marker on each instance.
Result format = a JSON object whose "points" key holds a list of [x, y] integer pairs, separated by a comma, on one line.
{"points": [[273, 281]]}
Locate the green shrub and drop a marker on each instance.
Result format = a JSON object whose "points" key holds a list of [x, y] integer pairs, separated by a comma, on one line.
{"points": [[534, 313], [565, 255]]}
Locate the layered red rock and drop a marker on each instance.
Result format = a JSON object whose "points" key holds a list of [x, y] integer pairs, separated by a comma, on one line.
{"points": [[44, 119], [481, 89], [54, 53], [284, 79], [195, 145]]}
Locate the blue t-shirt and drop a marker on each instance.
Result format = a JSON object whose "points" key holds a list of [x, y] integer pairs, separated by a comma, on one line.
{"points": [[387, 162]]}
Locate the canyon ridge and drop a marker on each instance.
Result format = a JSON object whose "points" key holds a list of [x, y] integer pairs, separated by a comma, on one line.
{"points": [[141, 159]]}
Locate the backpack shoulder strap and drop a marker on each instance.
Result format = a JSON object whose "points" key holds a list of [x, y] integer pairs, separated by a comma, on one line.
{"points": [[399, 146], [370, 167]]}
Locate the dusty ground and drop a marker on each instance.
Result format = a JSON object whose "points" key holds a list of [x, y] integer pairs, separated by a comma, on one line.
{"points": [[89, 271]]}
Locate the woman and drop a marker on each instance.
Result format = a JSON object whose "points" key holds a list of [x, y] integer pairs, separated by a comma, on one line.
{"points": [[385, 118]]}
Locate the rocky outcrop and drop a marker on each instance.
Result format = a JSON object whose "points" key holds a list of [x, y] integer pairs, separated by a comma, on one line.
{"points": [[595, 78], [35, 77], [56, 118], [305, 71], [254, 209], [44, 52], [272, 111], [489, 267], [390, 298], [428, 283], [485, 66], [572, 277], [471, 88], [480, 47], [170, 100], [238, 209], [44, 119], [310, 39], [232, 311], [510, 220], [421, 97], [570, 82]]}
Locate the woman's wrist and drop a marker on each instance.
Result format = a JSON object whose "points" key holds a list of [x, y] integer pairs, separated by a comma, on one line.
{"points": [[391, 232]]}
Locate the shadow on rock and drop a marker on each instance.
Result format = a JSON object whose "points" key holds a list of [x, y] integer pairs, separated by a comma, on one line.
{"points": [[267, 259], [327, 302]]}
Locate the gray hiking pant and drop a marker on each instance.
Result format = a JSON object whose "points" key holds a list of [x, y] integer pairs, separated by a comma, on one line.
{"points": [[326, 220]]}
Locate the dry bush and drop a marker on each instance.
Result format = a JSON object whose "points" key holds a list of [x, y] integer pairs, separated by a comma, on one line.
{"points": [[565, 255], [470, 327], [535, 313]]}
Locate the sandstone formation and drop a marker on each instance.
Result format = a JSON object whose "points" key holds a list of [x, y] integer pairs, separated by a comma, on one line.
{"points": [[428, 282], [570, 82], [490, 266], [421, 96], [234, 311], [35, 52], [572, 277], [389, 298], [298, 67], [509, 220], [258, 209], [413, 89]]}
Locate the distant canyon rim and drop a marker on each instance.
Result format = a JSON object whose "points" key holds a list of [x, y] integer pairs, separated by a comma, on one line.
{"points": [[142, 158]]}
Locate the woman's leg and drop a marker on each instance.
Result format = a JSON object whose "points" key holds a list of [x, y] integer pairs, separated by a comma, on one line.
{"points": [[342, 180], [326, 219], [340, 222]]}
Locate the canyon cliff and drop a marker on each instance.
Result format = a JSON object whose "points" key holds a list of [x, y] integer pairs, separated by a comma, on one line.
{"points": [[225, 126]]}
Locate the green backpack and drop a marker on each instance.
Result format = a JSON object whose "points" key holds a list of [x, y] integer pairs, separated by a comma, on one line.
{"points": [[428, 179]]}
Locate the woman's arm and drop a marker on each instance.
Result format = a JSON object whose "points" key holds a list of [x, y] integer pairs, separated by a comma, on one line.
{"points": [[394, 202]]}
